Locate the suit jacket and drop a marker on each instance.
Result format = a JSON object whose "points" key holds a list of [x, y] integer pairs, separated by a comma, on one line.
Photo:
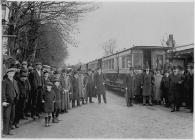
{"points": [[35, 79], [10, 90]]}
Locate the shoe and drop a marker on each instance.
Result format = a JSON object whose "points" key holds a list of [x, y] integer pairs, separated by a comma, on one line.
{"points": [[144, 104], [3, 135], [35, 117], [24, 118], [12, 127], [16, 126], [91, 102], [172, 110], [10, 133], [150, 104], [54, 121]]}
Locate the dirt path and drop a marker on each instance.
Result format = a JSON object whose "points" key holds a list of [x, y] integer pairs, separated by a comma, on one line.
{"points": [[113, 120]]}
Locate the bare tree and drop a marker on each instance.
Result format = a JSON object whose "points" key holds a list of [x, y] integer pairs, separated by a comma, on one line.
{"points": [[26, 18], [109, 47]]}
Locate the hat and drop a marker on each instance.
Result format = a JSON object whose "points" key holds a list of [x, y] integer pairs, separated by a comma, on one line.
{"points": [[24, 70], [13, 66], [24, 74], [98, 68], [30, 68], [38, 63], [166, 71], [45, 71], [48, 84], [175, 67], [24, 63], [63, 70], [46, 67], [180, 67], [10, 70], [56, 80], [191, 66], [56, 72], [131, 68]]}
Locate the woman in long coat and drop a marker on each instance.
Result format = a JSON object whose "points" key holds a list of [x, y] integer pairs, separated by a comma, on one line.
{"points": [[88, 87], [75, 96], [157, 83], [80, 85], [57, 105]]}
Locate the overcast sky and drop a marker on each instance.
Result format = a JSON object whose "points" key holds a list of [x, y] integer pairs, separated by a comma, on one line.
{"points": [[132, 23]]}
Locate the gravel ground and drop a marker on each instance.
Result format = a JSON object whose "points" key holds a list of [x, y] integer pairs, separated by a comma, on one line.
{"points": [[112, 120]]}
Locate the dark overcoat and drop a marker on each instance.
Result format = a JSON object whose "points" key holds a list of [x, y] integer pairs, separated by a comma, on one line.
{"points": [[88, 85], [175, 82], [130, 85], [165, 86], [57, 91], [138, 84], [49, 99], [9, 90], [99, 84], [36, 79], [75, 86], [147, 84]]}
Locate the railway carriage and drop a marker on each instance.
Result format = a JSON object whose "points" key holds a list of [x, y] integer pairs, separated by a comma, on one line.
{"points": [[115, 67]]}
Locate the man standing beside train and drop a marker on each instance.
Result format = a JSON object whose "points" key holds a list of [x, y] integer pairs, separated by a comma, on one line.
{"points": [[130, 87], [99, 85]]}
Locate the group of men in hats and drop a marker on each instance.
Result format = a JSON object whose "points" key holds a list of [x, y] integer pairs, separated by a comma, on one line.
{"points": [[172, 87], [29, 91]]}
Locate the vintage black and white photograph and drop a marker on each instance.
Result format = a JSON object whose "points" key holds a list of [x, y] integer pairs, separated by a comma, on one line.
{"points": [[97, 69]]}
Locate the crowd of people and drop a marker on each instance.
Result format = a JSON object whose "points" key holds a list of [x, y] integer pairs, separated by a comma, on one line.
{"points": [[172, 87], [41, 90]]}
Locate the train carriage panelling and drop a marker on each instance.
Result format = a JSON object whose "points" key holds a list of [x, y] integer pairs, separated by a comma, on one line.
{"points": [[93, 65], [125, 60], [109, 68], [137, 58]]}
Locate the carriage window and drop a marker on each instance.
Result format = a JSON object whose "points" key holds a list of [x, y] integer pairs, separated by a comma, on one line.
{"points": [[137, 59], [112, 67], [123, 61], [128, 61], [110, 64]]}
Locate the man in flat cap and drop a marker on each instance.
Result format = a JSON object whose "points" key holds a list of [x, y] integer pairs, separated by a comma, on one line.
{"points": [[37, 86], [175, 82], [8, 101]]}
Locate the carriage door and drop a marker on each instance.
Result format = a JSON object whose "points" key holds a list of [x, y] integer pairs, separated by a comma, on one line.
{"points": [[147, 57]]}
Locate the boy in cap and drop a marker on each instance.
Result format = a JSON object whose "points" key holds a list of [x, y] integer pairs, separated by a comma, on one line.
{"points": [[57, 105], [8, 101], [48, 100]]}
